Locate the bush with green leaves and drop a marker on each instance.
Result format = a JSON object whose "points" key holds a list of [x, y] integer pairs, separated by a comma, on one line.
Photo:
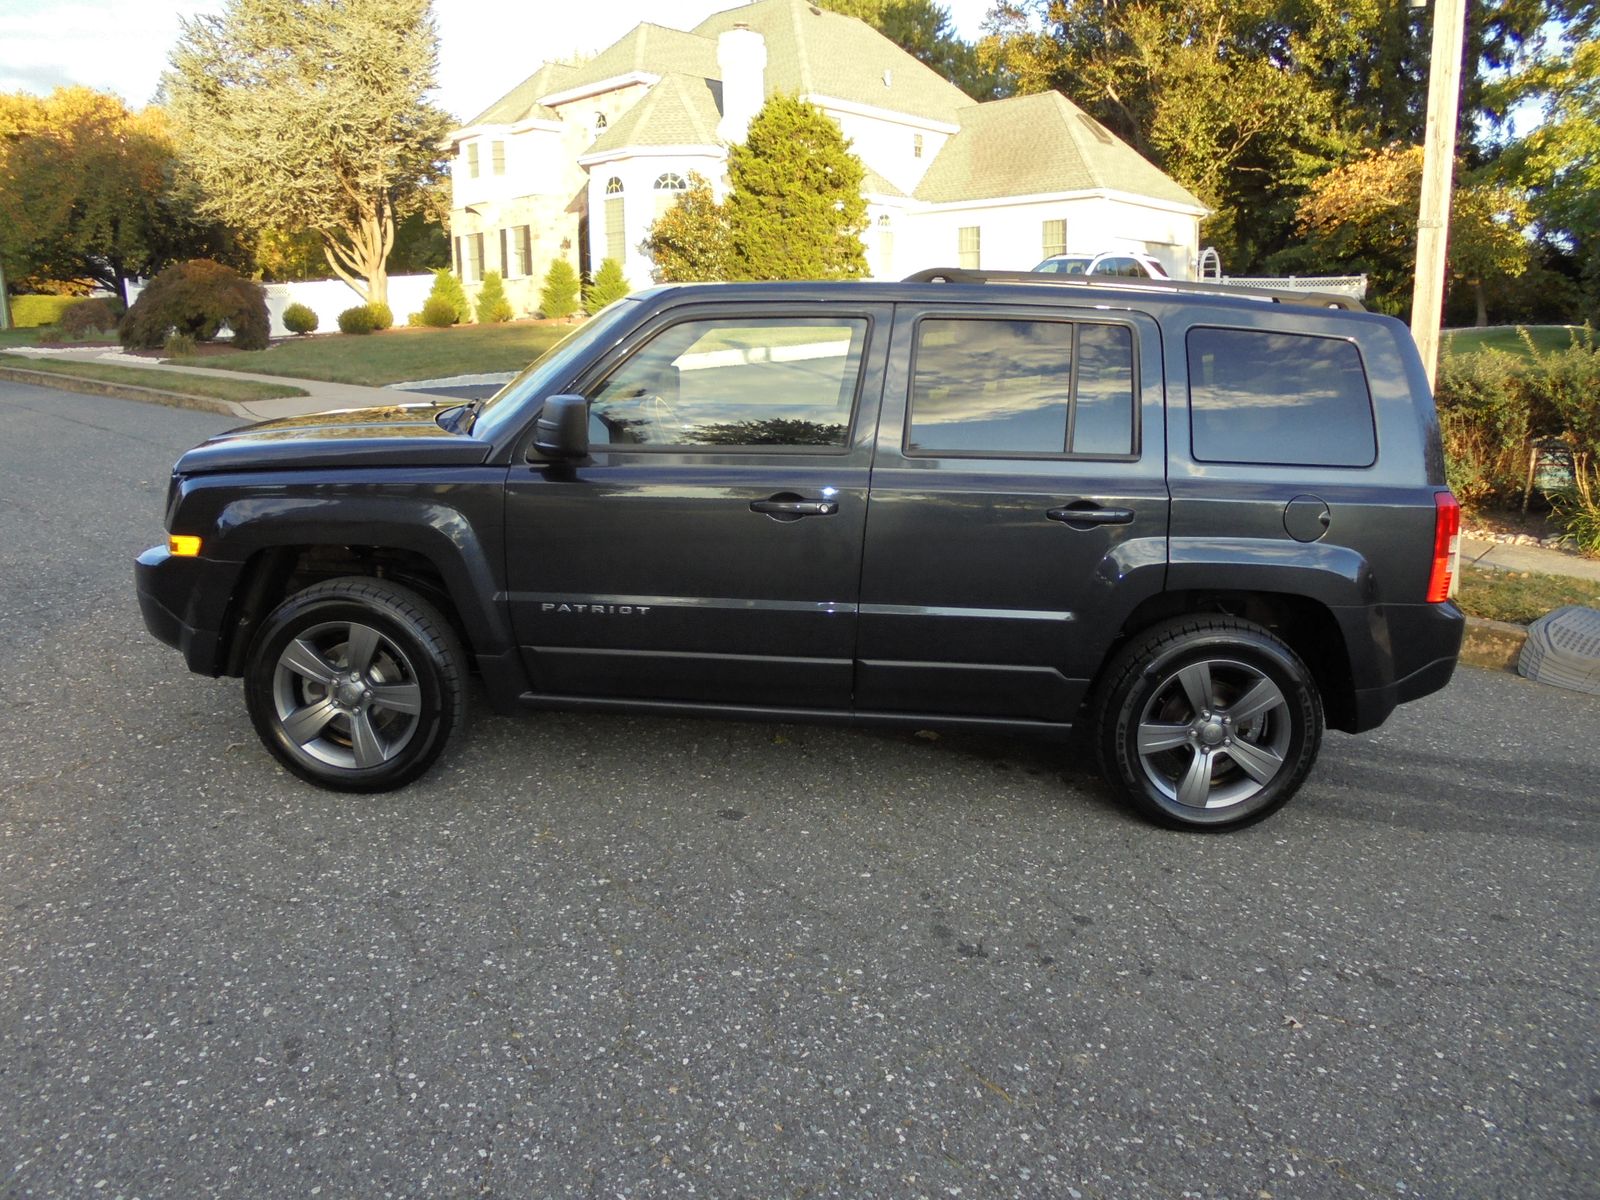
{"points": [[493, 307], [447, 287], [609, 286], [300, 319], [437, 313], [197, 298], [358, 320], [382, 316], [178, 345], [87, 317], [559, 296]]}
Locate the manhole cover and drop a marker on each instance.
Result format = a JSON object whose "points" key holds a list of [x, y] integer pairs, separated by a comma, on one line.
{"points": [[1563, 649]]}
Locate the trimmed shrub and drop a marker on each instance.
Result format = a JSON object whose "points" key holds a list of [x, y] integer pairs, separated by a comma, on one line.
{"points": [[198, 298], [559, 296], [447, 287], [609, 286], [382, 316], [358, 320], [178, 345], [493, 307], [30, 312], [437, 313], [91, 316], [299, 319]]}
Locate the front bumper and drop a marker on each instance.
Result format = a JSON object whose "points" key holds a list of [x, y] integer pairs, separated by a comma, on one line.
{"points": [[182, 601]]}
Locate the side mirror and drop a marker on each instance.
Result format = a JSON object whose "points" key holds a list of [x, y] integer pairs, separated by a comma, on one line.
{"points": [[562, 430]]}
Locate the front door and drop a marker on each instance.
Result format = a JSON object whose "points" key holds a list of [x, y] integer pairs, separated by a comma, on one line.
{"points": [[710, 550], [1018, 508]]}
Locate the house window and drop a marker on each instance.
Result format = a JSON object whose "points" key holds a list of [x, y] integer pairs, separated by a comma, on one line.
{"points": [[968, 243], [1055, 238], [497, 157], [916, 145], [599, 122], [472, 160], [885, 246], [616, 225], [474, 264], [667, 188], [523, 240]]}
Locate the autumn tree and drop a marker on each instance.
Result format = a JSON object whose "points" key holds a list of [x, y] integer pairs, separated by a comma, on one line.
{"points": [[88, 194], [1363, 216], [690, 242], [794, 208], [313, 114]]}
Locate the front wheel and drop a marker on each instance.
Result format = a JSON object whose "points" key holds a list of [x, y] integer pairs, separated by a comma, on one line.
{"points": [[1208, 723], [355, 684]]}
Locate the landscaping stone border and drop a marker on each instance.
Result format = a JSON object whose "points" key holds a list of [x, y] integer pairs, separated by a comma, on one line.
{"points": [[120, 391]]}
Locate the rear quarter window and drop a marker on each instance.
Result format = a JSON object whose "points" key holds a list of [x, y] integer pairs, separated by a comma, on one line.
{"points": [[1280, 399]]}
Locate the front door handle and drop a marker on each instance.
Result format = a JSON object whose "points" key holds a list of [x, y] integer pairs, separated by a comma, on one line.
{"points": [[1091, 516], [795, 508]]}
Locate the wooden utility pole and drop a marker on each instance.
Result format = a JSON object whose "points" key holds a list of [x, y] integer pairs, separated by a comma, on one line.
{"points": [[1438, 165]]}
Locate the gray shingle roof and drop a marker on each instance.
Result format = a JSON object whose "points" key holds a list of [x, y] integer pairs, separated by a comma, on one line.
{"points": [[820, 53], [1031, 145], [521, 103], [651, 49], [681, 110]]}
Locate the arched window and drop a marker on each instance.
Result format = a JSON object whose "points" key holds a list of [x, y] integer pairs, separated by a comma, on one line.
{"points": [[616, 222], [668, 187], [599, 122]]}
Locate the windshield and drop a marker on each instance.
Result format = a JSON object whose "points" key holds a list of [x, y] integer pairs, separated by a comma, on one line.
{"points": [[549, 370], [1064, 266]]}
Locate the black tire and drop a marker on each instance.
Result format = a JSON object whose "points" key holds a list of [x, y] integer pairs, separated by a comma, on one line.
{"points": [[356, 684], [1215, 763]]}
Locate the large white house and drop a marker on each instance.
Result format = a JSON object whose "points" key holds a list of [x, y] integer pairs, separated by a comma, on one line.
{"points": [[577, 162]]}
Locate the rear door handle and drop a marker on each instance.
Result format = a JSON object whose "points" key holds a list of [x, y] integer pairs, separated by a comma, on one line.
{"points": [[795, 508], [1091, 516]]}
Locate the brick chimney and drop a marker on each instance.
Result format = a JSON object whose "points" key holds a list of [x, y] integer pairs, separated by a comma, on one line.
{"points": [[742, 59]]}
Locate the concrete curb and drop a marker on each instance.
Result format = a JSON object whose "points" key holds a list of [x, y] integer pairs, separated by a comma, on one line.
{"points": [[123, 391], [1493, 644]]}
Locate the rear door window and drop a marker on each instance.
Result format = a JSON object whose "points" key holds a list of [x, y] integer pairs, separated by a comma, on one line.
{"points": [[1021, 388], [1278, 399]]}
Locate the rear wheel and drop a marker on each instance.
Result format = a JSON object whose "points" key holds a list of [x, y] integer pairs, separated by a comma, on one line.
{"points": [[1208, 723], [355, 684]]}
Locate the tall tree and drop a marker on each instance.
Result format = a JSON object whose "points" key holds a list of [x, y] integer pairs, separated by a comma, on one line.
{"points": [[924, 30], [313, 114], [88, 193], [795, 209]]}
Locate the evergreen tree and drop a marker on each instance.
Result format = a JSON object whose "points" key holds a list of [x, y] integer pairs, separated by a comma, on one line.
{"points": [[559, 296], [493, 307], [448, 288], [796, 209], [609, 285]]}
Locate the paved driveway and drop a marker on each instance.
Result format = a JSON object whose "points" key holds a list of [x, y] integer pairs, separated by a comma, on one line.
{"points": [[626, 957]]}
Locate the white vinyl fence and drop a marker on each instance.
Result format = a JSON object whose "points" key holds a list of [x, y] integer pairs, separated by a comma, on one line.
{"points": [[330, 297]]}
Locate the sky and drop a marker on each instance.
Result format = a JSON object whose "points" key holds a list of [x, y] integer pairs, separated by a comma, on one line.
{"points": [[486, 47]]}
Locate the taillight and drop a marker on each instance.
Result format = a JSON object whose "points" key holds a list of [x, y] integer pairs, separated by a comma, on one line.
{"points": [[1446, 548]]}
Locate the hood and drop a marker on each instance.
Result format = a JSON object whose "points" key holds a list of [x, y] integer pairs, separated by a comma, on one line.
{"points": [[392, 435]]}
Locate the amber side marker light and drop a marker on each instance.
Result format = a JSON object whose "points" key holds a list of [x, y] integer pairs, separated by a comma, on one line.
{"points": [[183, 545]]}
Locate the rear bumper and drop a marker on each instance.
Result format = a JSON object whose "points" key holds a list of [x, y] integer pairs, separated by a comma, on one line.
{"points": [[1413, 650], [176, 599]]}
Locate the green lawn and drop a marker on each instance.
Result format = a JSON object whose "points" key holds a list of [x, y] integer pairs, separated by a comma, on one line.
{"points": [[1520, 597], [219, 388], [10, 338], [397, 355], [1509, 338]]}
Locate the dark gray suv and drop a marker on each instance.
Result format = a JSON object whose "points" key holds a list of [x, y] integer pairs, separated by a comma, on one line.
{"points": [[1204, 524]]}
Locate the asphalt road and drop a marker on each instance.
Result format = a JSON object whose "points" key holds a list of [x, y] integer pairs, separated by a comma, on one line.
{"points": [[626, 957]]}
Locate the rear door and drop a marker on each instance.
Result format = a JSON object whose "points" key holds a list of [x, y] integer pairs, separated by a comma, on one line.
{"points": [[1018, 508], [710, 550]]}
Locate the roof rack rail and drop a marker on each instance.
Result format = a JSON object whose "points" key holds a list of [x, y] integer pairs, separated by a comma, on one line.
{"points": [[1125, 283]]}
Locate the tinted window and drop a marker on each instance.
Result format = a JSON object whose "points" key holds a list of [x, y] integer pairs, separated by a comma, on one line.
{"points": [[780, 381], [1006, 387], [1278, 398]]}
